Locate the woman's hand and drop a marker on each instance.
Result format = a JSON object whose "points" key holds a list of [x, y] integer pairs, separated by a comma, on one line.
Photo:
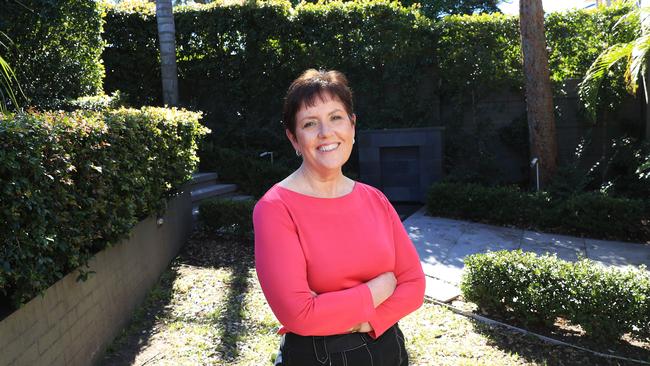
{"points": [[382, 287], [364, 327]]}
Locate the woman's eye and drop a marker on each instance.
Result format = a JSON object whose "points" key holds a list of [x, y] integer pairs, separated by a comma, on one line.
{"points": [[336, 117], [308, 124]]}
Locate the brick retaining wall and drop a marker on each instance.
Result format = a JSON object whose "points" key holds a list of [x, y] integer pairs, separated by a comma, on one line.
{"points": [[74, 322]]}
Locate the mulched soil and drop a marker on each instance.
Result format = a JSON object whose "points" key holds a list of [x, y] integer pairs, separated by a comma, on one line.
{"points": [[563, 330]]}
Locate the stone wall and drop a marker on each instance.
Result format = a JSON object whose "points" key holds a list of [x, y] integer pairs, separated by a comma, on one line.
{"points": [[73, 322]]}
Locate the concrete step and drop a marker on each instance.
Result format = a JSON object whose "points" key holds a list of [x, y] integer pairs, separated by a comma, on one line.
{"points": [[239, 197], [202, 177], [202, 180], [441, 290], [212, 190]]}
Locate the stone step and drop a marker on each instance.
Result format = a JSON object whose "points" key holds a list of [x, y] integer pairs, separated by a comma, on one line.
{"points": [[202, 177], [240, 197], [202, 180], [212, 190], [440, 290]]}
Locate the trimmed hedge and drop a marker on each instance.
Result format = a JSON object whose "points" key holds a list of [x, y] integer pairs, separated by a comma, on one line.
{"points": [[236, 61], [253, 174], [606, 303], [56, 48], [228, 216], [590, 214], [74, 182]]}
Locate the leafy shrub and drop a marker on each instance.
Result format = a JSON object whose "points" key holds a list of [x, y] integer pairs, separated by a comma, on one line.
{"points": [[252, 174], [598, 215], [590, 214], [56, 48], [75, 182], [624, 173], [95, 103], [498, 205], [606, 303], [228, 216]]}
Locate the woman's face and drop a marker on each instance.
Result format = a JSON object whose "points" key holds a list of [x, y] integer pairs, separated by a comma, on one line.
{"points": [[324, 135]]}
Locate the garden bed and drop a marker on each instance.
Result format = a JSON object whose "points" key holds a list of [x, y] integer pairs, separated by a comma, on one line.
{"points": [[564, 331]]}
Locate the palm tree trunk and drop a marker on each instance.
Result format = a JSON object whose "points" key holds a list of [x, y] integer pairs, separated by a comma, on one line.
{"points": [[645, 77], [167, 38], [539, 97]]}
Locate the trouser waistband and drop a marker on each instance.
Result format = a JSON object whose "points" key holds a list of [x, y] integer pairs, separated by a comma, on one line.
{"points": [[325, 345]]}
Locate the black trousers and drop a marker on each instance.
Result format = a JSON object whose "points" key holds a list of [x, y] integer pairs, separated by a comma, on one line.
{"points": [[356, 349]]}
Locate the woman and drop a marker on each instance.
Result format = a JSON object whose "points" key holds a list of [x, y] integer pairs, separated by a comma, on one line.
{"points": [[333, 259]]}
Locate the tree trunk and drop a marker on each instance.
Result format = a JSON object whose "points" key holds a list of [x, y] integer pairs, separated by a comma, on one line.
{"points": [[167, 38], [539, 97]]}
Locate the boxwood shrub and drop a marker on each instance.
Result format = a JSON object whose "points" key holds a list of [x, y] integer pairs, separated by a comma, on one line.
{"points": [[605, 302], [590, 214], [234, 217], [74, 182]]}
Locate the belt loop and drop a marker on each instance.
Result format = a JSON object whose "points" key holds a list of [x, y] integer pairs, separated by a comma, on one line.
{"points": [[320, 349]]}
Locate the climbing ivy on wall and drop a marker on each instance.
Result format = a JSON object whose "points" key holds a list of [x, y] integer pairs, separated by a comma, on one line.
{"points": [[236, 61]]}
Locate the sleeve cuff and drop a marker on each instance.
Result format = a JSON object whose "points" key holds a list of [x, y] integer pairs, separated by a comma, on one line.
{"points": [[366, 302], [378, 327]]}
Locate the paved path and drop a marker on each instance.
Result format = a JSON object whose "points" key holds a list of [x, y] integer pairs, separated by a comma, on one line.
{"points": [[443, 243]]}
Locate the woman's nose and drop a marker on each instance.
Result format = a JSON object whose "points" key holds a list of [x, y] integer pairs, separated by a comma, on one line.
{"points": [[325, 130]]}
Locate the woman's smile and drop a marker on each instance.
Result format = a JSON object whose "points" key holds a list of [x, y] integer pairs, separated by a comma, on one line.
{"points": [[328, 147]]}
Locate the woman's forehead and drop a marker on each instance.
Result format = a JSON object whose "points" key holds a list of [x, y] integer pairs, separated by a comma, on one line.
{"points": [[317, 98]]}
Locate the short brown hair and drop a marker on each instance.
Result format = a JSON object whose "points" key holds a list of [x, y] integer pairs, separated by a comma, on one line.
{"points": [[310, 85]]}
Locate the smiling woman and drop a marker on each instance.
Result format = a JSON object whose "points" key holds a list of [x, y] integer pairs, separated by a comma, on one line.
{"points": [[333, 259]]}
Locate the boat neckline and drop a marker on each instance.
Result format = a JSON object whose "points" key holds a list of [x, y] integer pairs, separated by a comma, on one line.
{"points": [[354, 188]]}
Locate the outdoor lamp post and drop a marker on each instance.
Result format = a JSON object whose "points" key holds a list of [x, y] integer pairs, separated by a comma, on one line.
{"points": [[535, 163], [267, 153]]}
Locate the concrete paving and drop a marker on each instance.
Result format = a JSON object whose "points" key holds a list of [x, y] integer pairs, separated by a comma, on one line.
{"points": [[443, 244]]}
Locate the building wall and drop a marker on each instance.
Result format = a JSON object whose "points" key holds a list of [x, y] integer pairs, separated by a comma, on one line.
{"points": [[73, 322]]}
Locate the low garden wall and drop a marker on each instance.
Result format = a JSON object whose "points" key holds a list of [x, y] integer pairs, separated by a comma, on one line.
{"points": [[73, 322]]}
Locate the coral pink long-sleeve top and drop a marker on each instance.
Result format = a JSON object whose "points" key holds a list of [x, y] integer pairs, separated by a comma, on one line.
{"points": [[332, 246]]}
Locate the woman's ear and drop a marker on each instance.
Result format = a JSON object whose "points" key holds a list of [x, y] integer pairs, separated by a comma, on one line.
{"points": [[292, 139], [353, 119]]}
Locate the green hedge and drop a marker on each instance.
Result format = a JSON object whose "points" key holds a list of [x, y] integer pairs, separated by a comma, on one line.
{"points": [[131, 55], [591, 214], [236, 61], [78, 181], [606, 303], [56, 48], [228, 216], [254, 175]]}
